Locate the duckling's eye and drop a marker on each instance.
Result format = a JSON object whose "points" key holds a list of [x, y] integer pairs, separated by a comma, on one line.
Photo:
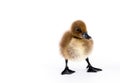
{"points": [[78, 30]]}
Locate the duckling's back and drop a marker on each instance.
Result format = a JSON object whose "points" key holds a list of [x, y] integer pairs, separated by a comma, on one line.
{"points": [[65, 39], [65, 42]]}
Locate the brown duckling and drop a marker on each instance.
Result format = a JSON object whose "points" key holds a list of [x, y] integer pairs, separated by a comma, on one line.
{"points": [[76, 44]]}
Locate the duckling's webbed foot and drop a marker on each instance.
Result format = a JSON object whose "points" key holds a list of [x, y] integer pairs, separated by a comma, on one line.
{"points": [[91, 68], [67, 71]]}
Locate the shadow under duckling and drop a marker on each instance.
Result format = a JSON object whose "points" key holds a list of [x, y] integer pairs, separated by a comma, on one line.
{"points": [[76, 44]]}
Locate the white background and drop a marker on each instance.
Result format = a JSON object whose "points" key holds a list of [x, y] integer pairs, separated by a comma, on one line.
{"points": [[30, 32]]}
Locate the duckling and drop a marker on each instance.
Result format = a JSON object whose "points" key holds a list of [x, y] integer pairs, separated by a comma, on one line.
{"points": [[76, 44]]}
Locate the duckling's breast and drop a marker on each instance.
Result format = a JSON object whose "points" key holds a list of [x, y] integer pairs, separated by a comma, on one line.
{"points": [[79, 48]]}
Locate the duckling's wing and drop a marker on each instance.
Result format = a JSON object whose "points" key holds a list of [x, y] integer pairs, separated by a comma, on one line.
{"points": [[66, 39]]}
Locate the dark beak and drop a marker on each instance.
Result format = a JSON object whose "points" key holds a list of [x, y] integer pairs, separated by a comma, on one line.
{"points": [[86, 36]]}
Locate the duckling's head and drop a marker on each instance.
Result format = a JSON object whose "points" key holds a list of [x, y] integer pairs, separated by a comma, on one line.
{"points": [[79, 30]]}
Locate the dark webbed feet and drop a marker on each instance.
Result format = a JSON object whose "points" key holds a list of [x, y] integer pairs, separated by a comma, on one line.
{"points": [[67, 71], [93, 69]]}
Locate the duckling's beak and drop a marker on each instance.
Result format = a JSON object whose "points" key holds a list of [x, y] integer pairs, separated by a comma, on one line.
{"points": [[86, 36]]}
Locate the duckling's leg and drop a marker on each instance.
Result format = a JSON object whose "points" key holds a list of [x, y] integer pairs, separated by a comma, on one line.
{"points": [[67, 70], [90, 68]]}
